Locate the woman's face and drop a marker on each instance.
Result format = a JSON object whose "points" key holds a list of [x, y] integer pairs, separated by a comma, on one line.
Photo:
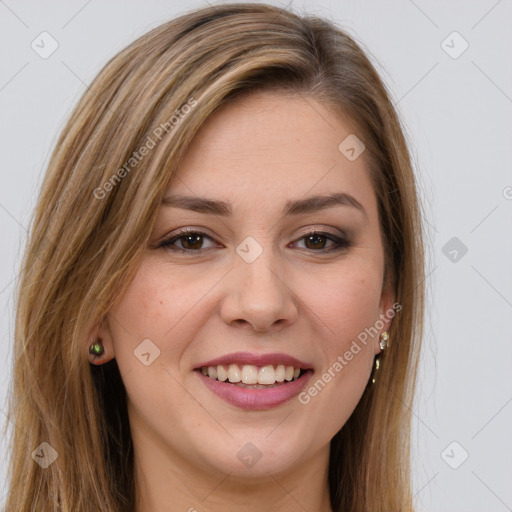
{"points": [[252, 291]]}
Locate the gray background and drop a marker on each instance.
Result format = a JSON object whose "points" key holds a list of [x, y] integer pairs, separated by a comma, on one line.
{"points": [[457, 112]]}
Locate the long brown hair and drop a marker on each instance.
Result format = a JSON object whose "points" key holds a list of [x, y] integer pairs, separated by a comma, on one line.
{"points": [[94, 216]]}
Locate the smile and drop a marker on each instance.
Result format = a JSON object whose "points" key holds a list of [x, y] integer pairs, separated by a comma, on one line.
{"points": [[254, 388], [252, 375]]}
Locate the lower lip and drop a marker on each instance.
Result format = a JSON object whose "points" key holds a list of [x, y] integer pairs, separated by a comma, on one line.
{"points": [[256, 399]]}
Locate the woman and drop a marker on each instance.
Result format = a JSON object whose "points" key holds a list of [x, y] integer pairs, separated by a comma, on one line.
{"points": [[221, 301]]}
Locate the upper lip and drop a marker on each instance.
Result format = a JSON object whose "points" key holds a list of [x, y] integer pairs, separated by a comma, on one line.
{"points": [[256, 360]]}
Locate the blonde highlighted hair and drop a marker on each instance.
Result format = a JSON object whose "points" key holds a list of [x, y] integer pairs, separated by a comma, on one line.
{"points": [[83, 250]]}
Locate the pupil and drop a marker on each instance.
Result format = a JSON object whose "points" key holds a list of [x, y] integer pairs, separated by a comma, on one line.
{"points": [[191, 237], [317, 237]]}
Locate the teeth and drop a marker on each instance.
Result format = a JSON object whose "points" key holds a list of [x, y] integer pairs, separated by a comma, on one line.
{"points": [[234, 373], [267, 375], [222, 375], [252, 375], [249, 374]]}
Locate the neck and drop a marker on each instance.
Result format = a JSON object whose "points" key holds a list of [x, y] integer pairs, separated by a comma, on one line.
{"points": [[166, 481]]}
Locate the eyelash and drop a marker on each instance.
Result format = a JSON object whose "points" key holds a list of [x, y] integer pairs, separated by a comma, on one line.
{"points": [[341, 243]]}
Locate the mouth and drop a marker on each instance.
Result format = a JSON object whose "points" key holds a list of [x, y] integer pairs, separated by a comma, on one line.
{"points": [[250, 382], [253, 376]]}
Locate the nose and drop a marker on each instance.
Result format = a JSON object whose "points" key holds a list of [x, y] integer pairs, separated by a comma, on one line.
{"points": [[259, 295]]}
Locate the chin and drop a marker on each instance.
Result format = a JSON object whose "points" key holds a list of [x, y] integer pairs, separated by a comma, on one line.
{"points": [[252, 457]]}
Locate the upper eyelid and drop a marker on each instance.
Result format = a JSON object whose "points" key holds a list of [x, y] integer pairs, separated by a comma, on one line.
{"points": [[171, 239], [303, 232]]}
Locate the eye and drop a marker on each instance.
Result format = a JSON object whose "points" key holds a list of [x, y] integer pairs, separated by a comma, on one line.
{"points": [[316, 241], [191, 241]]}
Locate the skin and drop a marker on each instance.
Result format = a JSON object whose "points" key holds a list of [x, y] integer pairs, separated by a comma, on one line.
{"points": [[256, 153]]}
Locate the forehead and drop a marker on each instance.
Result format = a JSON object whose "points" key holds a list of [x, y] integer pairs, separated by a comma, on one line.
{"points": [[267, 148]]}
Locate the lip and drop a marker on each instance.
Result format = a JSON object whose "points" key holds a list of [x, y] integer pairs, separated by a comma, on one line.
{"points": [[256, 399], [256, 360]]}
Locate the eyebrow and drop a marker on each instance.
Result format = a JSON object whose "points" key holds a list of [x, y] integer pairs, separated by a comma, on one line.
{"points": [[296, 207]]}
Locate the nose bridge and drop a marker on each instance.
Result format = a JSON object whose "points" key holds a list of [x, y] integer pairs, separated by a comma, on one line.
{"points": [[259, 293], [257, 264]]}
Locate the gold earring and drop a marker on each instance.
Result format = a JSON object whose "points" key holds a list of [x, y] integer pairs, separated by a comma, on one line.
{"points": [[384, 337], [383, 343]]}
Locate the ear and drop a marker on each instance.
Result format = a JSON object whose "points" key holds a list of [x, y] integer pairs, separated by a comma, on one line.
{"points": [[100, 334]]}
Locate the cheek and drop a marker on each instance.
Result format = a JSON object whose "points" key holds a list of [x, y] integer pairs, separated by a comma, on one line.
{"points": [[151, 327], [152, 308], [167, 307], [347, 305], [346, 301], [155, 304]]}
